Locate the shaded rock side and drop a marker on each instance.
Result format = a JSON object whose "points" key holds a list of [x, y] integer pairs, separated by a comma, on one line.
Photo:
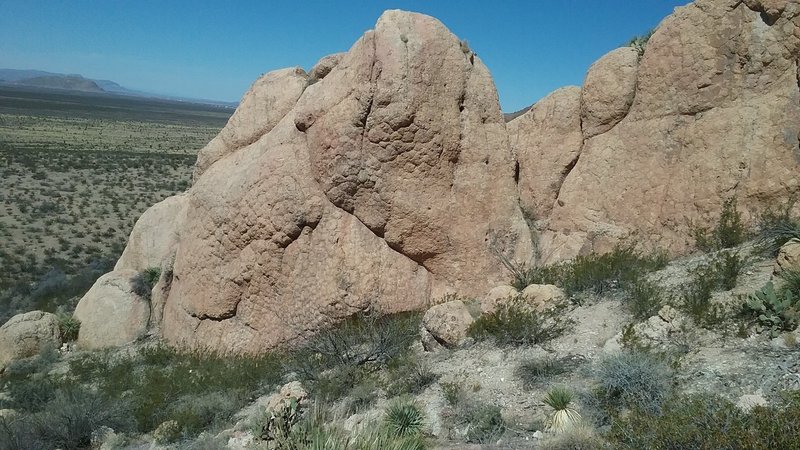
{"points": [[25, 335], [389, 183], [716, 114], [111, 313], [262, 107]]}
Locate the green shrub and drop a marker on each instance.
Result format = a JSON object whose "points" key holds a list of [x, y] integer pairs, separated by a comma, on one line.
{"points": [[721, 272], [337, 359], [640, 42], [408, 376], [703, 421], [534, 371], [70, 418], [597, 273], [644, 298], [775, 227], [564, 416], [633, 380], [167, 433], [404, 418], [69, 327], [144, 281], [516, 323], [776, 311], [729, 231]]}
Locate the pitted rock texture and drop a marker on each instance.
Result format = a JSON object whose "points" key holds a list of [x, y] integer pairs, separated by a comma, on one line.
{"points": [[608, 91], [547, 141], [716, 114], [262, 107], [389, 183]]}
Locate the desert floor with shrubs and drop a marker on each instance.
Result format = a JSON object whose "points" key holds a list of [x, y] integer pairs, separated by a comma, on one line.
{"points": [[77, 171]]}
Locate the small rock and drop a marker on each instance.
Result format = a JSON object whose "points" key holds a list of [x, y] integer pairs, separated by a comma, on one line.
{"points": [[788, 256], [495, 296], [447, 323], [749, 401]]}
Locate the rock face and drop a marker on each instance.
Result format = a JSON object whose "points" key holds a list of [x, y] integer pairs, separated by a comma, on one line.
{"points": [[111, 313], [384, 182], [26, 335], [269, 99], [715, 113]]}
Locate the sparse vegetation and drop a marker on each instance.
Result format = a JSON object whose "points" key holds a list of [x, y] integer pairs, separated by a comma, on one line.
{"points": [[640, 42], [69, 327], [515, 323], [720, 273], [535, 371], [703, 421], [404, 418], [144, 281], [633, 380], [776, 226], [597, 273], [729, 231]]}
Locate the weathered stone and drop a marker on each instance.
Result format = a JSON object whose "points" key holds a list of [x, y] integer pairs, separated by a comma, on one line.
{"points": [[788, 256], [608, 91], [111, 313], [25, 335], [546, 141], [154, 238], [497, 295], [267, 101], [324, 66], [447, 323], [716, 114]]}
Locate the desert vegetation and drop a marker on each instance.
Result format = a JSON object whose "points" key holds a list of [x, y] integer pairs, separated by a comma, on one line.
{"points": [[77, 171]]}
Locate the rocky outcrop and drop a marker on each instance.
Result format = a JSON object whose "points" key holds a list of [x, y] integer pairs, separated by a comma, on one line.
{"points": [[384, 182], [546, 141], [25, 335], [715, 114], [608, 91], [267, 101], [112, 313], [154, 238]]}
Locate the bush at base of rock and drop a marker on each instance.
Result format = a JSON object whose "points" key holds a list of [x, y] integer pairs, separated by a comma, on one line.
{"points": [[515, 322]]}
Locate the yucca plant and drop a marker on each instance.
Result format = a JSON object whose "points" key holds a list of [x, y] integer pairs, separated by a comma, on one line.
{"points": [[404, 418], [565, 416]]}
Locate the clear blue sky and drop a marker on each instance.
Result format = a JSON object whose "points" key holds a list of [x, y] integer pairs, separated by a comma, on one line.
{"points": [[214, 50]]}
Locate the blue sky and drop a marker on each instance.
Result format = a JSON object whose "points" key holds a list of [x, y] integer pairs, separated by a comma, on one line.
{"points": [[215, 50]]}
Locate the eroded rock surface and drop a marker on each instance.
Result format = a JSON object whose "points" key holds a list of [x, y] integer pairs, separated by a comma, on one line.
{"points": [[716, 114], [26, 335]]}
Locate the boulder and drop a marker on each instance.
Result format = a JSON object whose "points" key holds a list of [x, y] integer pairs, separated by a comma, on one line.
{"points": [[267, 101], [543, 296], [324, 66], [788, 256], [497, 295], [446, 323], [25, 335], [111, 313], [608, 91], [292, 390]]}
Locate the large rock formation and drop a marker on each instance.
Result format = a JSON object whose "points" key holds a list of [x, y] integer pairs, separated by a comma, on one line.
{"points": [[386, 181], [714, 113], [387, 177]]}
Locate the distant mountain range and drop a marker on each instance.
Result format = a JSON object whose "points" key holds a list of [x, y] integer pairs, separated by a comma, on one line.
{"points": [[78, 83]]}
